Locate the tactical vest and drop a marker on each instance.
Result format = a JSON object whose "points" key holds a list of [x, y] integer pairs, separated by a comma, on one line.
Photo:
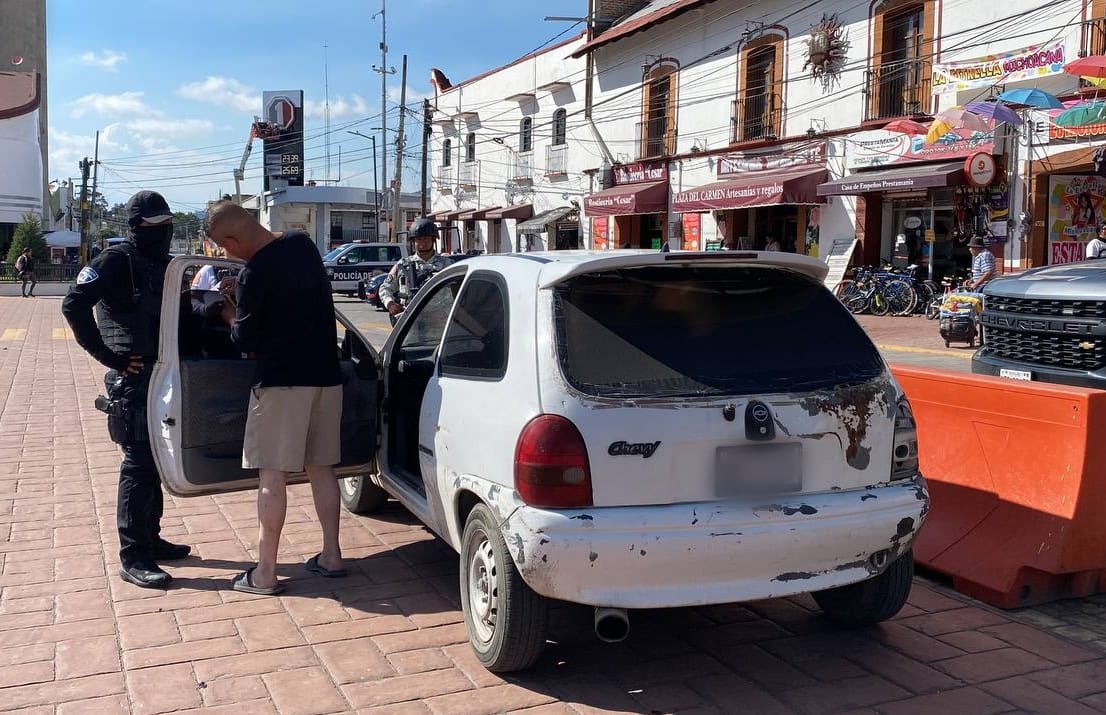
{"points": [[130, 322]]}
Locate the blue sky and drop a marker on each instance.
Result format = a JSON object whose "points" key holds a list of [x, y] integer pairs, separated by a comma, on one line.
{"points": [[173, 86]]}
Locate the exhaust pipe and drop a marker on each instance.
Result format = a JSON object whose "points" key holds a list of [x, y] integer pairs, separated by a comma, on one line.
{"points": [[612, 625]]}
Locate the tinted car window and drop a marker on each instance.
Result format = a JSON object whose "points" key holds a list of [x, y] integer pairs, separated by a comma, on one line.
{"points": [[677, 331], [330, 256], [476, 342], [428, 325], [353, 255], [382, 254]]}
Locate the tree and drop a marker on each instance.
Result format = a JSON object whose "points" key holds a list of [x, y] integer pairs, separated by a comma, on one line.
{"points": [[29, 233]]}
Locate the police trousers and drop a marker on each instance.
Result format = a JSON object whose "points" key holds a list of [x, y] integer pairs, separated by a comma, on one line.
{"points": [[140, 503]]}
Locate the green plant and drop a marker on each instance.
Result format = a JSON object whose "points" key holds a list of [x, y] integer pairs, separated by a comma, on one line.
{"points": [[29, 234]]}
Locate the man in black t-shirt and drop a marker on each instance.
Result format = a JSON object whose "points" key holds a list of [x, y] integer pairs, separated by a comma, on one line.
{"points": [[281, 311]]}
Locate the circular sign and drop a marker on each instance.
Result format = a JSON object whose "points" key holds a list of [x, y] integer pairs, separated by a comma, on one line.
{"points": [[17, 60], [912, 222], [281, 112], [980, 169]]}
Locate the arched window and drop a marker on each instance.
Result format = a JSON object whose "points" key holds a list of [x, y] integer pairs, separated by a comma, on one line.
{"points": [[902, 47], [759, 110], [447, 152], [526, 135], [470, 147], [560, 127], [658, 127]]}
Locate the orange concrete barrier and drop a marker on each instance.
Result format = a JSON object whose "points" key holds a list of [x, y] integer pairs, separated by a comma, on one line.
{"points": [[1017, 474]]}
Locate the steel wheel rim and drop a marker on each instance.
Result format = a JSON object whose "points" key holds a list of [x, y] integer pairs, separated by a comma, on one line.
{"points": [[483, 588]]}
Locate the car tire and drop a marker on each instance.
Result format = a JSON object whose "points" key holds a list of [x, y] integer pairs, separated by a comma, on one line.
{"points": [[871, 601], [360, 495], [505, 618]]}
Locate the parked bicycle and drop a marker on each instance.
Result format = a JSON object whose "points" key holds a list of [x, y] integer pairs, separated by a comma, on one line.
{"points": [[876, 293]]}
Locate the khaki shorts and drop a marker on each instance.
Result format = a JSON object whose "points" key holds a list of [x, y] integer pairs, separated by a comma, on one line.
{"points": [[288, 428]]}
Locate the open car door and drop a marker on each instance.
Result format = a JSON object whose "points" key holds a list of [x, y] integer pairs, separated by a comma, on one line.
{"points": [[200, 390]]}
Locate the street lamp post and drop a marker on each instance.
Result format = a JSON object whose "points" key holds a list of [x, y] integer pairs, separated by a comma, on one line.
{"points": [[376, 187]]}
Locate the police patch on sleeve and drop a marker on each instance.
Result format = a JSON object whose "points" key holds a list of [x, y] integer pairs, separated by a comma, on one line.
{"points": [[87, 275]]}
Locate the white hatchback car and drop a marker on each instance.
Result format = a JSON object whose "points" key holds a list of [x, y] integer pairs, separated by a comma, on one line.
{"points": [[619, 429]]}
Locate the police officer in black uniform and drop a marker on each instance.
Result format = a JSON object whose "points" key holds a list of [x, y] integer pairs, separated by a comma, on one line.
{"points": [[124, 285]]}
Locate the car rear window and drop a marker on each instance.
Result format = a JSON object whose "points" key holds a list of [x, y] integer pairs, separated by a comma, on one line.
{"points": [[701, 331]]}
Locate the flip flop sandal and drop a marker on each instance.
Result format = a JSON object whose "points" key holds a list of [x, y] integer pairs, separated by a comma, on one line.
{"points": [[315, 567], [244, 584]]}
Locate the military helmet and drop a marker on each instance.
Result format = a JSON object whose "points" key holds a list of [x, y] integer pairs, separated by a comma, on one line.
{"points": [[423, 228]]}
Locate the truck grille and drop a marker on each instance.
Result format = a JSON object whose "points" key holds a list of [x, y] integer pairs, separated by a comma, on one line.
{"points": [[1072, 352], [1051, 308]]}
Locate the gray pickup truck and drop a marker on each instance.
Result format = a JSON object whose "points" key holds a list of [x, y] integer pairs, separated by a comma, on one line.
{"points": [[1047, 324]]}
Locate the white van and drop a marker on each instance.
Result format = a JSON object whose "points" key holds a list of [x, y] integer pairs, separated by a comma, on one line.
{"points": [[352, 262]]}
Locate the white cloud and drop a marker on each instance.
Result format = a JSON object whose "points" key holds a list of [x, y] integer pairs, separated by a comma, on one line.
{"points": [[413, 95], [125, 103], [224, 91], [171, 127], [108, 59], [340, 108]]}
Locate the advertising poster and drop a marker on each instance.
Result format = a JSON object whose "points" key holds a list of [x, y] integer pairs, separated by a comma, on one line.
{"points": [[1075, 206], [692, 234], [600, 233], [284, 152], [984, 72], [813, 230]]}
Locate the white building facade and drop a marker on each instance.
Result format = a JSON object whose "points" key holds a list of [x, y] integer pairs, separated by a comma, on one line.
{"points": [[704, 123]]}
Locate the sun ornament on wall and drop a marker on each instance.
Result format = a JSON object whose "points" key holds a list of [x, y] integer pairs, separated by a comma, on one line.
{"points": [[827, 48]]}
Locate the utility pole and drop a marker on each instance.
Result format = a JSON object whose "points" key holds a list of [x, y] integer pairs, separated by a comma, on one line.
{"points": [[427, 115], [401, 140], [376, 188], [95, 174], [384, 71], [84, 165]]}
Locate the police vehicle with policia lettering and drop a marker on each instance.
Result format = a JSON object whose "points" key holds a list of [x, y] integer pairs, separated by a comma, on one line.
{"points": [[351, 263]]}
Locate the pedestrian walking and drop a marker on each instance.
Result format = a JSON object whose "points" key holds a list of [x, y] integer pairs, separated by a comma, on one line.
{"points": [[124, 285], [282, 311], [25, 268]]}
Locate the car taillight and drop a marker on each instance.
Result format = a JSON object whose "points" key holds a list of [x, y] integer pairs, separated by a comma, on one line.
{"points": [[551, 464], [904, 457]]}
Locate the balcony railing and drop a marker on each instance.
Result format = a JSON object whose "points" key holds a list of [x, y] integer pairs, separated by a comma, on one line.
{"points": [[522, 168], [756, 117], [655, 138], [468, 175], [1094, 37], [898, 89], [556, 160], [445, 178]]}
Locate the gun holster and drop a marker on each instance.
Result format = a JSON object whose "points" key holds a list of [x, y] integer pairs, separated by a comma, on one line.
{"points": [[126, 419]]}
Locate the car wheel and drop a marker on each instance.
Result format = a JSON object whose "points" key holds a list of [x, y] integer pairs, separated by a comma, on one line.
{"points": [[505, 619], [873, 600], [360, 495]]}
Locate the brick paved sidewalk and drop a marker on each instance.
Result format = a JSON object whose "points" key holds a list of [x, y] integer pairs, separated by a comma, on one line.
{"points": [[390, 639]]}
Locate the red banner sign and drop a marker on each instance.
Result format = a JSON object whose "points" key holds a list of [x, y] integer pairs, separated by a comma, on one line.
{"points": [[639, 172], [692, 225], [1066, 251], [600, 234]]}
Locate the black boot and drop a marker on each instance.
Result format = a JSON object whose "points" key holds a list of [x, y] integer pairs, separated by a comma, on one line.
{"points": [[146, 575]]}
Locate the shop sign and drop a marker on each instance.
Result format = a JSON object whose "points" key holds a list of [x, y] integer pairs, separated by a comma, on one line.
{"points": [[883, 148], [1029, 63], [1044, 130], [692, 225], [639, 172], [797, 155], [980, 170], [1075, 205], [600, 233]]}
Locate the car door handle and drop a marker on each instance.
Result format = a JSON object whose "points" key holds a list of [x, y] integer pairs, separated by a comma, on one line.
{"points": [[169, 421]]}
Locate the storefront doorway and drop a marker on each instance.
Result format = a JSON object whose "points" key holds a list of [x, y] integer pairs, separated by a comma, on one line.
{"points": [[779, 223], [909, 225]]}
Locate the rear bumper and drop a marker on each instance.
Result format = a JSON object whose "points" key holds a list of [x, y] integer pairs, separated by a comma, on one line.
{"points": [[714, 552]]}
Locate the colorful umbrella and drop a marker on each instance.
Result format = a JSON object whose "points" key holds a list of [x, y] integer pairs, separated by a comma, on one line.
{"points": [[995, 111], [1099, 82], [1083, 115], [960, 118], [1031, 97], [1092, 66], [906, 126], [937, 129]]}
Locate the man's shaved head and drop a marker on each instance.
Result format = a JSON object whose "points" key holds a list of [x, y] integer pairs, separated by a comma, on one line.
{"points": [[234, 229]]}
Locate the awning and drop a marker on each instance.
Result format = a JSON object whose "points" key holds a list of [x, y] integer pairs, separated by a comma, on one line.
{"points": [[648, 198], [450, 215], [921, 176], [519, 213], [793, 185], [477, 214], [539, 222]]}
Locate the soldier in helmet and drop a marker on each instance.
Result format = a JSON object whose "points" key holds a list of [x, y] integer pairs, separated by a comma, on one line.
{"points": [[408, 274], [123, 284]]}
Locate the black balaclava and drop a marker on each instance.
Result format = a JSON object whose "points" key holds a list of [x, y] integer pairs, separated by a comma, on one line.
{"points": [[153, 241]]}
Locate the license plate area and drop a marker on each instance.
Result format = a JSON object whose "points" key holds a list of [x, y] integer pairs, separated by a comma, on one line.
{"points": [[758, 469], [1009, 374]]}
